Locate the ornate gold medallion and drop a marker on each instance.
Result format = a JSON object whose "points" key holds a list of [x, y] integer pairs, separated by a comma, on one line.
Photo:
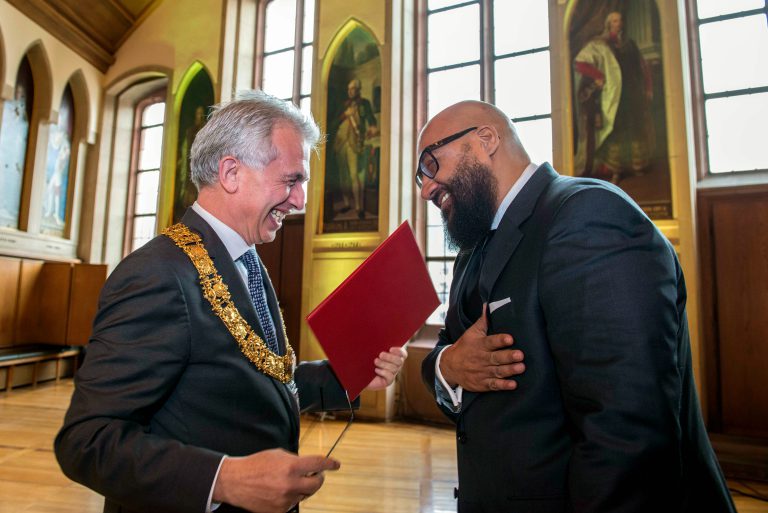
{"points": [[217, 293]]}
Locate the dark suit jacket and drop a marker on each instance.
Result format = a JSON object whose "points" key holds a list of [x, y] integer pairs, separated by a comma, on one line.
{"points": [[164, 391], [605, 417]]}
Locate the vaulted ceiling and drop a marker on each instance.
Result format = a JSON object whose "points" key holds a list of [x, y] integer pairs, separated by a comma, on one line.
{"points": [[95, 29]]}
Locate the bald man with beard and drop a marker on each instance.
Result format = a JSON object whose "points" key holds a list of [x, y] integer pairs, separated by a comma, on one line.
{"points": [[569, 274]]}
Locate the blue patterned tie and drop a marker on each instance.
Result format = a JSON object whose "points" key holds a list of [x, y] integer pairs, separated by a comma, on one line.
{"points": [[259, 298]]}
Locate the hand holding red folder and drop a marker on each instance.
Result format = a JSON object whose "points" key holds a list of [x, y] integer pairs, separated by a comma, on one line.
{"points": [[380, 305]]}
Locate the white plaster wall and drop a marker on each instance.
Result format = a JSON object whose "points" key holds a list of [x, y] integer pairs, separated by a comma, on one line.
{"points": [[333, 14], [174, 35]]}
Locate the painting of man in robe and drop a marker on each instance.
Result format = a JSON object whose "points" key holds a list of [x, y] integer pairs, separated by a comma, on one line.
{"points": [[14, 135], [619, 111], [351, 194], [194, 111], [57, 168]]}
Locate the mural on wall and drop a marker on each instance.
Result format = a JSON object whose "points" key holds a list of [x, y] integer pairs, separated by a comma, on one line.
{"points": [[618, 95], [57, 168], [198, 98], [353, 151], [14, 136]]}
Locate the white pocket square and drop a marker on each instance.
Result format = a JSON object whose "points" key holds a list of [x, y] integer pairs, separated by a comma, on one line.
{"points": [[497, 304]]}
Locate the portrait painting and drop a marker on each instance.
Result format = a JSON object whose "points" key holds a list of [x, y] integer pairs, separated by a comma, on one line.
{"points": [[353, 150], [198, 98], [618, 100], [14, 137], [57, 165]]}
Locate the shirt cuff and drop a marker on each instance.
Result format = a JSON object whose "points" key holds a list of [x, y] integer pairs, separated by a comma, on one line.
{"points": [[213, 506], [446, 395]]}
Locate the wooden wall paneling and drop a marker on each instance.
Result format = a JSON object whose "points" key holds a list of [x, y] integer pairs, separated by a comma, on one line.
{"points": [[44, 290], [283, 259], [87, 281], [291, 278], [10, 270], [270, 255], [27, 313], [710, 347], [417, 403], [740, 225], [732, 241]]}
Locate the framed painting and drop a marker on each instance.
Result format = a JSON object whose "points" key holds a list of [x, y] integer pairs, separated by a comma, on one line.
{"points": [[14, 136], [198, 97], [353, 150], [619, 109], [57, 167]]}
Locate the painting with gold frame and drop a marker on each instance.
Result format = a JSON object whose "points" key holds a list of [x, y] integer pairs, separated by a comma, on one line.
{"points": [[57, 168], [620, 129], [14, 138], [198, 97], [353, 150]]}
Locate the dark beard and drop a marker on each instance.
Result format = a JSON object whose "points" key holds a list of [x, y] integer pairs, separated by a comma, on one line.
{"points": [[473, 194]]}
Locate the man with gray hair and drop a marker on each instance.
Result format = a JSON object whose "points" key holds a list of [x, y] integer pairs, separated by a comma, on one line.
{"points": [[189, 396]]}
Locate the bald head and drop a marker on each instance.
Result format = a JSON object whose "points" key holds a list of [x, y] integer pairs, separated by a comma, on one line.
{"points": [[469, 113], [496, 137]]}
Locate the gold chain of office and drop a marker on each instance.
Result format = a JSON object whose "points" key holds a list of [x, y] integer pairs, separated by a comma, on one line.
{"points": [[217, 293]]}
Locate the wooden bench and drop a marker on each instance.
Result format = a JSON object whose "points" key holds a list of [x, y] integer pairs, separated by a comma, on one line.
{"points": [[10, 357]]}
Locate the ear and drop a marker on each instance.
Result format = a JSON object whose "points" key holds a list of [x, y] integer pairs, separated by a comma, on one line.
{"points": [[489, 139], [228, 169]]}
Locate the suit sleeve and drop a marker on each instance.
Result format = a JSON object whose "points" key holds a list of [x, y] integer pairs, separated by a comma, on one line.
{"points": [[137, 354], [319, 389], [608, 289]]}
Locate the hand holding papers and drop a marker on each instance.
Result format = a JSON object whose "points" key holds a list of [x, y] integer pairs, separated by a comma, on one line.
{"points": [[380, 305]]}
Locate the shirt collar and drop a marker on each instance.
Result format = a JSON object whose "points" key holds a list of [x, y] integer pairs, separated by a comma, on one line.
{"points": [[512, 194], [232, 240]]}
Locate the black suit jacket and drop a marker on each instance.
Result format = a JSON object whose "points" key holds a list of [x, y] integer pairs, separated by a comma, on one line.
{"points": [[164, 391], [605, 418]]}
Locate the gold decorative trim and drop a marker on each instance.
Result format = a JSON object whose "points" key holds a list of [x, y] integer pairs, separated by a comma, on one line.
{"points": [[217, 293]]}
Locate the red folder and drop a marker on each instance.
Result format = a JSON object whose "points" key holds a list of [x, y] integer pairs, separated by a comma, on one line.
{"points": [[380, 305]]}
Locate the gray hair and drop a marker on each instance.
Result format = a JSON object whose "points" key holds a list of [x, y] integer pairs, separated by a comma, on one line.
{"points": [[242, 128]]}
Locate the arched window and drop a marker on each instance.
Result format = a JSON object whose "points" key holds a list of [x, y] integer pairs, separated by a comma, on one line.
{"points": [[491, 50], [14, 142], [284, 68], [144, 183], [734, 90]]}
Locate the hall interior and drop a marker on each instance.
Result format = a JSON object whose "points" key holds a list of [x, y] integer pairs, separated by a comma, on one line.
{"points": [[100, 102]]}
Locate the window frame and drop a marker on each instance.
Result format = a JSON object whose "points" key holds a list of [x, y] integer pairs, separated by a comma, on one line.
{"points": [[487, 62], [298, 48], [704, 174], [156, 96]]}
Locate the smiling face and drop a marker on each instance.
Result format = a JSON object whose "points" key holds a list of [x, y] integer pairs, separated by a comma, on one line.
{"points": [[465, 190], [265, 196], [472, 192]]}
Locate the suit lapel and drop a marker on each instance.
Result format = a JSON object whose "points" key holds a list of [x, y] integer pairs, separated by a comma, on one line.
{"points": [[277, 320], [464, 280], [506, 240], [508, 236]]}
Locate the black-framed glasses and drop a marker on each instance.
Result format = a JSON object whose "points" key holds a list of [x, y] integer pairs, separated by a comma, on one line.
{"points": [[428, 164]]}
